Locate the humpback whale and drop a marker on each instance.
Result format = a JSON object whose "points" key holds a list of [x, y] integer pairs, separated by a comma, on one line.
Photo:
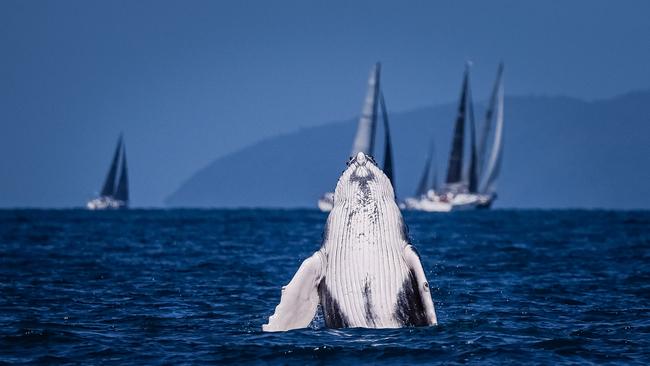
{"points": [[366, 273]]}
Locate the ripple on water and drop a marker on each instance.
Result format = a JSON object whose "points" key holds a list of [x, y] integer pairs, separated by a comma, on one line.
{"points": [[184, 286]]}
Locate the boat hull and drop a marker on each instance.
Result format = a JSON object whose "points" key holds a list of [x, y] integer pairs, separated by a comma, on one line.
{"points": [[106, 203], [426, 205], [459, 202]]}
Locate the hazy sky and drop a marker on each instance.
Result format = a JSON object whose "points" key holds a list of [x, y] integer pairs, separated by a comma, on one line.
{"points": [[188, 81]]}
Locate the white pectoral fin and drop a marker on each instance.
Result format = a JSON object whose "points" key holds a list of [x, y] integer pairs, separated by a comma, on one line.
{"points": [[413, 261], [300, 298]]}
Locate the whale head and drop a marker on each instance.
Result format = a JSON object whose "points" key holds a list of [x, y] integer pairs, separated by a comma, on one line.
{"points": [[365, 211], [363, 183]]}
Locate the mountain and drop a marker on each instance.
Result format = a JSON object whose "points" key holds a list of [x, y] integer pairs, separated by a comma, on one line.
{"points": [[559, 152]]}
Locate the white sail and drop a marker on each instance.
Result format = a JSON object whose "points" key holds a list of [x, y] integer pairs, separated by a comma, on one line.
{"points": [[365, 138], [487, 125], [494, 163]]}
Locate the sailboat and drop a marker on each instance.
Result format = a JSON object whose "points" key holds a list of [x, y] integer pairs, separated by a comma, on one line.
{"points": [[463, 189], [115, 191], [364, 140]]}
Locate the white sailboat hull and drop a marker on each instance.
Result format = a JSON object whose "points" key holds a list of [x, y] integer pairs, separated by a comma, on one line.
{"points": [[464, 202], [426, 204], [458, 202], [105, 203]]}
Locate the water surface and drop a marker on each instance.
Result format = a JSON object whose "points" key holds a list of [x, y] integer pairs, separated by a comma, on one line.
{"points": [[193, 287]]}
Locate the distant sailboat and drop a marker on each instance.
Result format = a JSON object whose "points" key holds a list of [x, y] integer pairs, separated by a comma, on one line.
{"points": [[475, 187], [112, 196], [456, 183], [364, 140]]}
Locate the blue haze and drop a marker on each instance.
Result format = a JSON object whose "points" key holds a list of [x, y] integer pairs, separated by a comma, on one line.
{"points": [[191, 82]]}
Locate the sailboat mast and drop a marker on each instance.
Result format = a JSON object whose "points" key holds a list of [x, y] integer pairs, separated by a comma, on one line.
{"points": [[388, 149], [454, 170], [365, 138], [109, 184]]}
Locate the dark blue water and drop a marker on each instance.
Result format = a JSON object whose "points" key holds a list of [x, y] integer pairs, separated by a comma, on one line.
{"points": [[186, 287]]}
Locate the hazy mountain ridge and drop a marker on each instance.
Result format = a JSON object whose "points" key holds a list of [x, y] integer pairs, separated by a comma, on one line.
{"points": [[559, 152]]}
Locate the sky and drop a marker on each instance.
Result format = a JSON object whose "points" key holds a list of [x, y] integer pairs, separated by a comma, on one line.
{"points": [[189, 81]]}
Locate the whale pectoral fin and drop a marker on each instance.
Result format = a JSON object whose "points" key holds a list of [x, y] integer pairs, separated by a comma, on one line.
{"points": [[413, 262], [299, 299]]}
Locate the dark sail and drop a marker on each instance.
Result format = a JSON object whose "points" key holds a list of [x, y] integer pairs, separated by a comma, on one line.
{"points": [[109, 184], [122, 192], [424, 180], [454, 170], [388, 150], [423, 186], [472, 174], [487, 125]]}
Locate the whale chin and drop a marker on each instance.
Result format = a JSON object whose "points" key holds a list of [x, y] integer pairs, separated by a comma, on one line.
{"points": [[362, 183]]}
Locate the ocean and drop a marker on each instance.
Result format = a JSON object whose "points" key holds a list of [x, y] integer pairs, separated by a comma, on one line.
{"points": [[195, 286]]}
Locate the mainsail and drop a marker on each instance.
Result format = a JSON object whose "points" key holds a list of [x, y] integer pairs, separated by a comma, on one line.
{"points": [[454, 170], [109, 183], [388, 150], [434, 178], [423, 186], [424, 180], [472, 174], [487, 125], [365, 138], [122, 191], [494, 164]]}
